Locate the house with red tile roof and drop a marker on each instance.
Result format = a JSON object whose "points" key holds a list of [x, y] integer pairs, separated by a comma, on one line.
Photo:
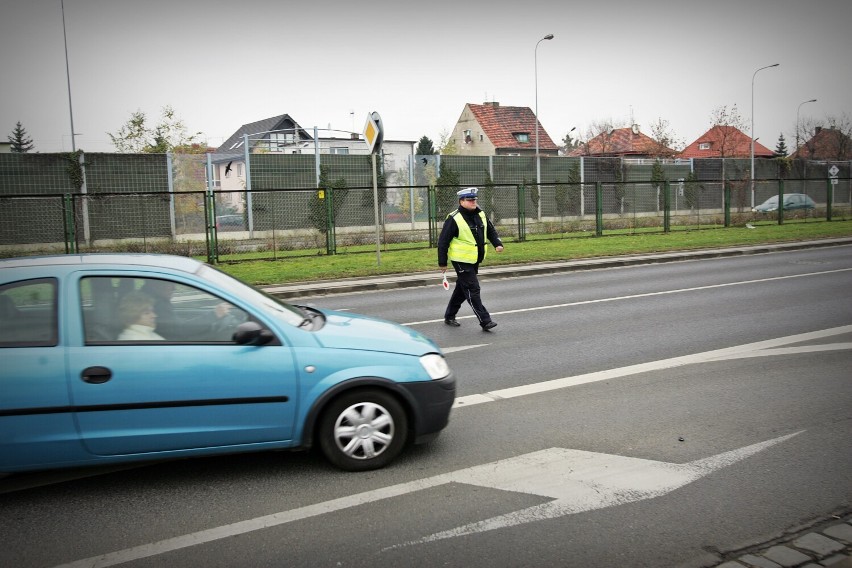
{"points": [[493, 130], [826, 144], [623, 142], [725, 142]]}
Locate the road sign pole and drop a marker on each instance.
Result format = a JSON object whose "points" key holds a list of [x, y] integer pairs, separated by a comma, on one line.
{"points": [[373, 136], [376, 212]]}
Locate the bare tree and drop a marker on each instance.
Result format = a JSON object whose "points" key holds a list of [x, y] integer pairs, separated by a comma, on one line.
{"points": [[840, 147], [599, 136], [668, 145], [728, 123], [806, 134]]}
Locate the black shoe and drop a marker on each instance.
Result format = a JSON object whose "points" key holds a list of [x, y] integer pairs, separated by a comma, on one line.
{"points": [[489, 325], [452, 322]]}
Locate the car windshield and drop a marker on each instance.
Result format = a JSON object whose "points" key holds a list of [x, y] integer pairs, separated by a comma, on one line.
{"points": [[271, 305]]}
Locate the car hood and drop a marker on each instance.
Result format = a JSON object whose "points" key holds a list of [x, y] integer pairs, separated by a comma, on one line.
{"points": [[343, 330]]}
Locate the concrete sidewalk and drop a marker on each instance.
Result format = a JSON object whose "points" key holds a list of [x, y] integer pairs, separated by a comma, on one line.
{"points": [[433, 277]]}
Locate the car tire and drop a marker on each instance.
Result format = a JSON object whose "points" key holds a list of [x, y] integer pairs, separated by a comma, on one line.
{"points": [[363, 430]]}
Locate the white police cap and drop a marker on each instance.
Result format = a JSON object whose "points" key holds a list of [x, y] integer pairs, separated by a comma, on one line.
{"points": [[467, 192]]}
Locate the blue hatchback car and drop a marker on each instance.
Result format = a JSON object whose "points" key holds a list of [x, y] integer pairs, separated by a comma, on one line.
{"points": [[114, 358]]}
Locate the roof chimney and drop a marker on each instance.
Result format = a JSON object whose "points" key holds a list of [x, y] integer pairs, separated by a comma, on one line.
{"points": [[491, 103], [818, 129]]}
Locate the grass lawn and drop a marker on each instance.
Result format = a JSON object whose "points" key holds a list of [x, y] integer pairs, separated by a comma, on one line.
{"points": [[365, 263]]}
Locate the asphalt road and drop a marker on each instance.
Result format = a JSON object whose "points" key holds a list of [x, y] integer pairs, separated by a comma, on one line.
{"points": [[656, 415]]}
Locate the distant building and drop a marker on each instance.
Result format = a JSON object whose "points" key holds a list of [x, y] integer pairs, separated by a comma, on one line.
{"points": [[725, 142], [827, 144], [493, 130], [283, 135], [624, 143]]}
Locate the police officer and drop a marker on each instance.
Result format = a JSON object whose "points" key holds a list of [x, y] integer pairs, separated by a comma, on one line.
{"points": [[462, 241]]}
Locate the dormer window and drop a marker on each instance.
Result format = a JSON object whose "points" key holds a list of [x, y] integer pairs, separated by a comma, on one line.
{"points": [[522, 136], [704, 146]]}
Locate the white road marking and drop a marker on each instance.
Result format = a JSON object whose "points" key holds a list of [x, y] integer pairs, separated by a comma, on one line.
{"points": [[576, 481], [462, 348], [579, 481], [645, 295], [756, 349]]}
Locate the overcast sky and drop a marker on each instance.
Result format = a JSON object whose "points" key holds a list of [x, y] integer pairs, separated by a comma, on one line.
{"points": [[221, 64]]}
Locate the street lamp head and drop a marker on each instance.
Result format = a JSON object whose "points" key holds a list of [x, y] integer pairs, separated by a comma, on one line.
{"points": [[548, 36]]}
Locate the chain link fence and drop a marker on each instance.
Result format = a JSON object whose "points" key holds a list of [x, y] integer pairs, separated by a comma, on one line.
{"points": [[230, 207]]}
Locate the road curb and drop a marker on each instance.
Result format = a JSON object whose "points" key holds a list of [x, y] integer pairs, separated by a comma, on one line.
{"points": [[393, 281]]}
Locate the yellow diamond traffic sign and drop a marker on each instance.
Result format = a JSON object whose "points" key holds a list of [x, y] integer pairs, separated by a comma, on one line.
{"points": [[373, 132]]}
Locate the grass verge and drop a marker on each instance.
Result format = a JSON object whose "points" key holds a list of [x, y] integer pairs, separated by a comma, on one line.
{"points": [[359, 264]]}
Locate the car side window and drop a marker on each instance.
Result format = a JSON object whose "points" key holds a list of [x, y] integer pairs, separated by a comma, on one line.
{"points": [[28, 314], [144, 310]]}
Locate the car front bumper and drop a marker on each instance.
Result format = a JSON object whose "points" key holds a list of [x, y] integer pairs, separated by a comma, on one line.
{"points": [[432, 402]]}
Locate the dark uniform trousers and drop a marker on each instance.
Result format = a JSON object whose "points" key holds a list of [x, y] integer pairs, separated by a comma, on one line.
{"points": [[466, 289]]}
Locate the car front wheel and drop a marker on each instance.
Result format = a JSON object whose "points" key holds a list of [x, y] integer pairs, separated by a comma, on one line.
{"points": [[363, 430]]}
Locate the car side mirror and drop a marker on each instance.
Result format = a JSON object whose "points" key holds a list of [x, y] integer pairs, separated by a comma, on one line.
{"points": [[251, 333]]}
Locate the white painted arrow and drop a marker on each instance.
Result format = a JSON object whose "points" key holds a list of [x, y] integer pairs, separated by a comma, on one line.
{"points": [[576, 481], [580, 481]]}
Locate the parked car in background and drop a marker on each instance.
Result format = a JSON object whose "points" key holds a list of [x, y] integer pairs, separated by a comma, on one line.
{"points": [[792, 201], [230, 223], [115, 358]]}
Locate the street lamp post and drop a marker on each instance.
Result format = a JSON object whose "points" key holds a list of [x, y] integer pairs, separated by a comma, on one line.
{"points": [[537, 158], [68, 77], [797, 120], [752, 129]]}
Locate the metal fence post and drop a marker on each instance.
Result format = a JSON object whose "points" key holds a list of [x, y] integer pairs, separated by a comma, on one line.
{"points": [[726, 201], [330, 236], [84, 205], [210, 216], [667, 207], [211, 236], [598, 209], [170, 171], [829, 198], [432, 198], [522, 214], [69, 226], [249, 200], [780, 202]]}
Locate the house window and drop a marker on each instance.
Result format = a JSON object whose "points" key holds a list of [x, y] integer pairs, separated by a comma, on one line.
{"points": [[278, 140], [704, 146], [239, 169], [522, 136], [339, 150]]}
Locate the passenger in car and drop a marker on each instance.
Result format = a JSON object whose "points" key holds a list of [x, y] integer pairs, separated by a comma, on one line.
{"points": [[136, 312]]}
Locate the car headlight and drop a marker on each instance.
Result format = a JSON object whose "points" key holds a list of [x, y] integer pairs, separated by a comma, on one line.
{"points": [[435, 365]]}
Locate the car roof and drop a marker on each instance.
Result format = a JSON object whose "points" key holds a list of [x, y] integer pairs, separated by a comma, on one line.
{"points": [[174, 262]]}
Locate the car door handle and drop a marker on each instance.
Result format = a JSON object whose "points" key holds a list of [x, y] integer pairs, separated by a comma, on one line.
{"points": [[96, 375]]}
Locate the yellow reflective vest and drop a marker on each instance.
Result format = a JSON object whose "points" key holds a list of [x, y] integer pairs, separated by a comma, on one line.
{"points": [[463, 248]]}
